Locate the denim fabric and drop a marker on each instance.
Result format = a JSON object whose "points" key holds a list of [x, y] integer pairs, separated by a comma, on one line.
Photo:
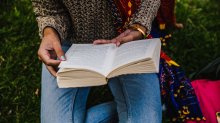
{"points": [[102, 113], [137, 98], [60, 105]]}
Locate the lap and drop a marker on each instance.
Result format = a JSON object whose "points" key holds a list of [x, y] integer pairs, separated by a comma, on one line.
{"points": [[61, 104], [137, 97]]}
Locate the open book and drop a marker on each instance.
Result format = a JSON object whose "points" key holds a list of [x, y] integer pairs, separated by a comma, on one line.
{"points": [[92, 65]]}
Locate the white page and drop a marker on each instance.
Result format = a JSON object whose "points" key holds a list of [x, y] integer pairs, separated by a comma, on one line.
{"points": [[88, 56], [136, 50]]}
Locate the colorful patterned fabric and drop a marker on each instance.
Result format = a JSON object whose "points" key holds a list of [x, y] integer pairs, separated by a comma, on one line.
{"points": [[176, 90], [178, 93], [165, 13], [129, 12], [208, 92]]}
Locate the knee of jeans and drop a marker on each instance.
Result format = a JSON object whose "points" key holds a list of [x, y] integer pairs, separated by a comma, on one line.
{"points": [[101, 112]]}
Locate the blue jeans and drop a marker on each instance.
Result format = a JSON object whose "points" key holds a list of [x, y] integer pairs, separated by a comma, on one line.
{"points": [[136, 100]]}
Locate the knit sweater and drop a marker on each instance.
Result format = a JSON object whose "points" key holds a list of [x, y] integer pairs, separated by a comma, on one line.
{"points": [[83, 21]]}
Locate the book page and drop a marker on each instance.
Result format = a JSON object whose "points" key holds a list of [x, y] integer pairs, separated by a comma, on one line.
{"points": [[88, 56], [134, 51]]}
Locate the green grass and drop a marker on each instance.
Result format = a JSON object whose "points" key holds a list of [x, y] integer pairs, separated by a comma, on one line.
{"points": [[198, 43], [192, 47], [19, 67]]}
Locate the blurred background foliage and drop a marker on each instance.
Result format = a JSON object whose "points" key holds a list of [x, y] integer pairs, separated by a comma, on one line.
{"points": [[193, 48], [19, 66]]}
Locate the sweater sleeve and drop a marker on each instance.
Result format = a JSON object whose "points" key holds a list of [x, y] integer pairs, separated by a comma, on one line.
{"points": [[52, 13], [146, 13]]}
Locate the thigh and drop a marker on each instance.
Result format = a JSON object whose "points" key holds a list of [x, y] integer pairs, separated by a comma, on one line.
{"points": [[61, 105], [102, 113], [137, 97]]}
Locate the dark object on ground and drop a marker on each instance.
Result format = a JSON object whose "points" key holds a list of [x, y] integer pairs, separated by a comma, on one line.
{"points": [[211, 71]]}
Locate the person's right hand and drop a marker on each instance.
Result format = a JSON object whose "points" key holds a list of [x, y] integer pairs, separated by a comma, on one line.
{"points": [[50, 51]]}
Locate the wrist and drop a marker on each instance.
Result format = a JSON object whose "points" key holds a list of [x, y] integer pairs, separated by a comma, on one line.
{"points": [[139, 28], [49, 31]]}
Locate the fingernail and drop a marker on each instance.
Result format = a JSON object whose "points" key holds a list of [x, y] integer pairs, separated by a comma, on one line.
{"points": [[62, 58], [117, 44]]}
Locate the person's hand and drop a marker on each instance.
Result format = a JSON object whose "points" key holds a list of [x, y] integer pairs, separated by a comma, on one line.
{"points": [[178, 25], [50, 51], [126, 36]]}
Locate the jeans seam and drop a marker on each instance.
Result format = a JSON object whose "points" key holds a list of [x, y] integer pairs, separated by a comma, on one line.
{"points": [[73, 103], [126, 101], [106, 118]]}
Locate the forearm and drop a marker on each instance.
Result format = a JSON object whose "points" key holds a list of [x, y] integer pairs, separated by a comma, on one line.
{"points": [[49, 31], [146, 13], [52, 13]]}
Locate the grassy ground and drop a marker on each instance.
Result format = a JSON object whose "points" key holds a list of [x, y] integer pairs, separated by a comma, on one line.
{"points": [[19, 67], [198, 43], [192, 47]]}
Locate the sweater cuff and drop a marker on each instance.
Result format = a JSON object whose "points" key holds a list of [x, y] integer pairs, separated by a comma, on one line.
{"points": [[57, 25]]}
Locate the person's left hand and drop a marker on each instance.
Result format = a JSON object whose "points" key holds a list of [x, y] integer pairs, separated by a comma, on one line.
{"points": [[126, 36]]}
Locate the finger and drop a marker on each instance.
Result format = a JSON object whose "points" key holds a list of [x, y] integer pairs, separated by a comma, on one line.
{"points": [[123, 34], [127, 31], [39, 58], [52, 70], [114, 40], [131, 36], [124, 40], [102, 41], [46, 58], [58, 49], [52, 62]]}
